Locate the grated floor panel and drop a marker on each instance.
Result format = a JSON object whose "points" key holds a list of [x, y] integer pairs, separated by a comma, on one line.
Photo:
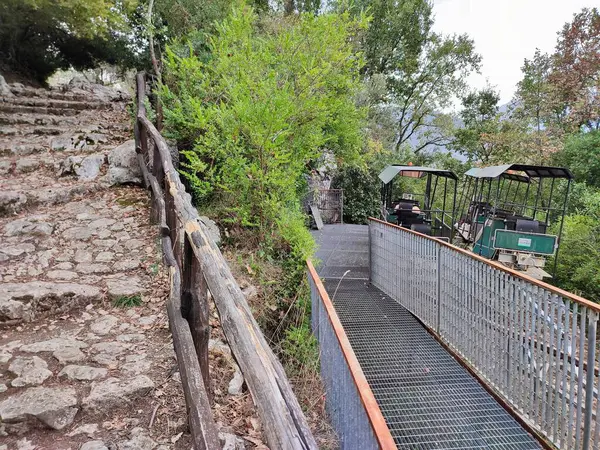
{"points": [[427, 398]]}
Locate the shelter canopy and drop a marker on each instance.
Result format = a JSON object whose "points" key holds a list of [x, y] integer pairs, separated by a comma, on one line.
{"points": [[512, 171], [390, 172]]}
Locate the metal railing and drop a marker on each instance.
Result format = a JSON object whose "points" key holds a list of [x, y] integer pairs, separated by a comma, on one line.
{"points": [[329, 202], [533, 344], [354, 412]]}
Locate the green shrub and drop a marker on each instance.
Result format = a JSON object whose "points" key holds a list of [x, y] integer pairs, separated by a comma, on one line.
{"points": [[578, 268], [362, 193], [253, 117]]}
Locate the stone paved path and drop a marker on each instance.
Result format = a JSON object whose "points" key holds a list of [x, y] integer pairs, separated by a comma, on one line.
{"points": [[86, 358]]}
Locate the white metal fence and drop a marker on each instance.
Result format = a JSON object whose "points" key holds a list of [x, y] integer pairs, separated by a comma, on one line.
{"points": [[534, 344]]}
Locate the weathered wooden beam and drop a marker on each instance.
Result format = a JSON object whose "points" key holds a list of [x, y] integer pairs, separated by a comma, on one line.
{"points": [[158, 206], [195, 302], [202, 424]]}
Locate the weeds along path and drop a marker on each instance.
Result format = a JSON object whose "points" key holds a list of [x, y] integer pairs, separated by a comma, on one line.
{"points": [[86, 357]]}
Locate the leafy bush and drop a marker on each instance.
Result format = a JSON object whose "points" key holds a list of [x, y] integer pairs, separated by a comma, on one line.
{"points": [[362, 193], [578, 268], [253, 117], [39, 36], [581, 154]]}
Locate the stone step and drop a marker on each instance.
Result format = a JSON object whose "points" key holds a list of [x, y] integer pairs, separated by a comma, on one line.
{"points": [[91, 381], [55, 94], [36, 119], [22, 302], [10, 108], [13, 202], [55, 104]]}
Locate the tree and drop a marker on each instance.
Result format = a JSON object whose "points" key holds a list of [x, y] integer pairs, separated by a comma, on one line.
{"points": [[535, 105], [423, 70], [581, 154], [40, 36], [576, 70], [487, 136]]}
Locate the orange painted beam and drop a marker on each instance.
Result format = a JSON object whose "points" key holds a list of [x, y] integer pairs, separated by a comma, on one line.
{"points": [[380, 428]]}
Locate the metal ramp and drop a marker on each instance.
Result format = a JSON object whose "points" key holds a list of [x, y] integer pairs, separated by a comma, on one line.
{"points": [[428, 399]]}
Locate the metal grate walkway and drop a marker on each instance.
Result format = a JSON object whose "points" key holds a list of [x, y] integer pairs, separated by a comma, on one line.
{"points": [[428, 399]]}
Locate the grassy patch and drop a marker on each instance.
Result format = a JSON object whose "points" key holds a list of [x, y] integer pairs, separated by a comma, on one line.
{"points": [[127, 301]]}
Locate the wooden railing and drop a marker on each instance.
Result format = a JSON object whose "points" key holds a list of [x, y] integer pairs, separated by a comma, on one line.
{"points": [[197, 266]]}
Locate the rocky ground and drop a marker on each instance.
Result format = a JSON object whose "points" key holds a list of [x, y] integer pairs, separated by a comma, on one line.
{"points": [[86, 357]]}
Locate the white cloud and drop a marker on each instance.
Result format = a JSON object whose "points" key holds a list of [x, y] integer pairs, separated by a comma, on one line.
{"points": [[506, 32]]}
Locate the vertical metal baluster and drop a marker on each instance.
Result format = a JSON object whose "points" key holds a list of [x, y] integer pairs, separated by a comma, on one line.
{"points": [[552, 369], [566, 340], [589, 386], [582, 328], [544, 349], [527, 348], [511, 340], [519, 343], [539, 351], [534, 348], [560, 320], [572, 373], [597, 425]]}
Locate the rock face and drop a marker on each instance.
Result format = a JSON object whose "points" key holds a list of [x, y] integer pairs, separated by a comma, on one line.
{"points": [[85, 167], [4, 88], [123, 167], [113, 392], [29, 371], [54, 407]]}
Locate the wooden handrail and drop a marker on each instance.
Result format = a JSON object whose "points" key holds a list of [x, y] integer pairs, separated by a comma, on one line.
{"points": [[199, 264], [496, 265], [378, 424]]}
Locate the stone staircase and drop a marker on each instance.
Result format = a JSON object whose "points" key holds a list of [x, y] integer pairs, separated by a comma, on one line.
{"points": [[86, 359]]}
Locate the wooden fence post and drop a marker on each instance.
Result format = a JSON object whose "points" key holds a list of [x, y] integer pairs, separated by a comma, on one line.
{"points": [[197, 311]]}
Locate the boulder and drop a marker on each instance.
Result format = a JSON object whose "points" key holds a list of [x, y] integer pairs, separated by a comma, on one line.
{"points": [[23, 300], [54, 407], [30, 371], [31, 225], [5, 88], [83, 373], [85, 167], [11, 201], [113, 392], [123, 167]]}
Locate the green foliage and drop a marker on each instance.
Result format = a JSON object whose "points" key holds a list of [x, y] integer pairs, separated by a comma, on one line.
{"points": [[423, 70], [254, 117], [581, 154], [578, 268], [487, 136], [39, 36], [362, 193], [301, 350], [127, 301]]}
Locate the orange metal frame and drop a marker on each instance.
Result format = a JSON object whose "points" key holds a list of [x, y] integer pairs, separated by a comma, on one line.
{"points": [[380, 428]]}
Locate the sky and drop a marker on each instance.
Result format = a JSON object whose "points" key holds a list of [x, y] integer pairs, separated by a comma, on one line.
{"points": [[505, 33]]}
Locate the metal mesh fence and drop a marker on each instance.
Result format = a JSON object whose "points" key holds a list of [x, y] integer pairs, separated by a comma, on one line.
{"points": [[329, 202], [535, 345], [344, 406]]}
